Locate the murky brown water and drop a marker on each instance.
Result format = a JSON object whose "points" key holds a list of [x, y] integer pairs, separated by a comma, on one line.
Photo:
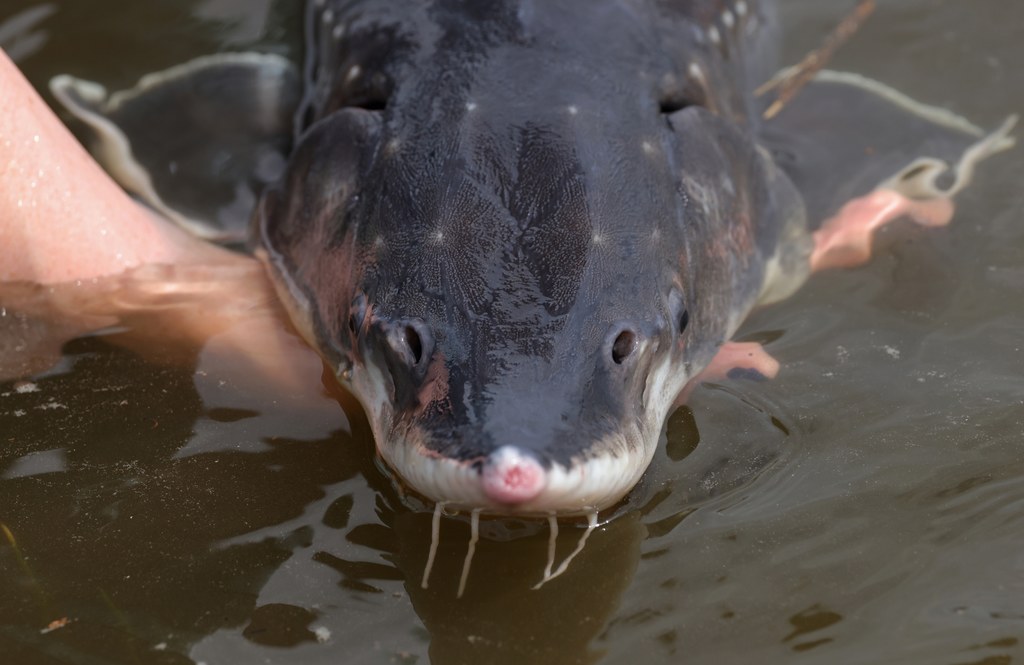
{"points": [[867, 506]]}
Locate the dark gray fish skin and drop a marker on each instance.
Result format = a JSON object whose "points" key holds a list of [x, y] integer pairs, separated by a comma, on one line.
{"points": [[492, 194]]}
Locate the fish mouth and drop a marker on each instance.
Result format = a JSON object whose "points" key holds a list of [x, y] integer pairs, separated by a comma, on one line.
{"points": [[519, 479], [511, 481]]}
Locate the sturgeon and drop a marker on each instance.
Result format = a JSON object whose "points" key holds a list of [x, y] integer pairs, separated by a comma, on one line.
{"points": [[516, 229]]}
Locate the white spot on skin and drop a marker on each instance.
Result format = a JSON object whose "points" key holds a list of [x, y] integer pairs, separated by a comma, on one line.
{"points": [[752, 24], [714, 35], [741, 8], [470, 106], [597, 238], [437, 236], [328, 16], [338, 32], [573, 110], [648, 148], [353, 73], [696, 72], [393, 145], [322, 634], [728, 19]]}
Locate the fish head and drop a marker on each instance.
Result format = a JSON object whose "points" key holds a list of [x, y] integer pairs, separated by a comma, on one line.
{"points": [[515, 320]]}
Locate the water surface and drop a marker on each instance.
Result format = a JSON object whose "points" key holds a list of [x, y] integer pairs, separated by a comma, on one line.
{"points": [[866, 506]]}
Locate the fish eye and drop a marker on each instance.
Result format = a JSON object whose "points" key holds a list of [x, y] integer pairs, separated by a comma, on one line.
{"points": [[624, 345], [370, 91], [676, 95], [370, 102], [669, 104]]}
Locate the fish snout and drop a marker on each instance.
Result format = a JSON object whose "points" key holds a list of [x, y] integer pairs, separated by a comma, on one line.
{"points": [[511, 476]]}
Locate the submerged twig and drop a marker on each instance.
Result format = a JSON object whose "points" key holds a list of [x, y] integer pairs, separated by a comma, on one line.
{"points": [[791, 81]]}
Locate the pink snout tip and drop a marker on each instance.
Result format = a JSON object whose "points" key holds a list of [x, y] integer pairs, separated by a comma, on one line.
{"points": [[511, 477]]}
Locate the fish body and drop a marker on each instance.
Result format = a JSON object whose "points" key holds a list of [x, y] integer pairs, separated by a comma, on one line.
{"points": [[517, 229]]}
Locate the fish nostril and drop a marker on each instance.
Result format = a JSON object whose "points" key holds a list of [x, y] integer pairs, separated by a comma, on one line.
{"points": [[412, 339], [408, 341], [684, 320], [678, 311], [624, 345], [356, 315]]}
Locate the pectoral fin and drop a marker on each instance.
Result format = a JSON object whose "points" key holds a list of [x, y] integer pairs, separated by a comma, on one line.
{"points": [[196, 142]]}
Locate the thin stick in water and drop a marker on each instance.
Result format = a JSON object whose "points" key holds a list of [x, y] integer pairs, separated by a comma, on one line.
{"points": [[791, 81]]}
